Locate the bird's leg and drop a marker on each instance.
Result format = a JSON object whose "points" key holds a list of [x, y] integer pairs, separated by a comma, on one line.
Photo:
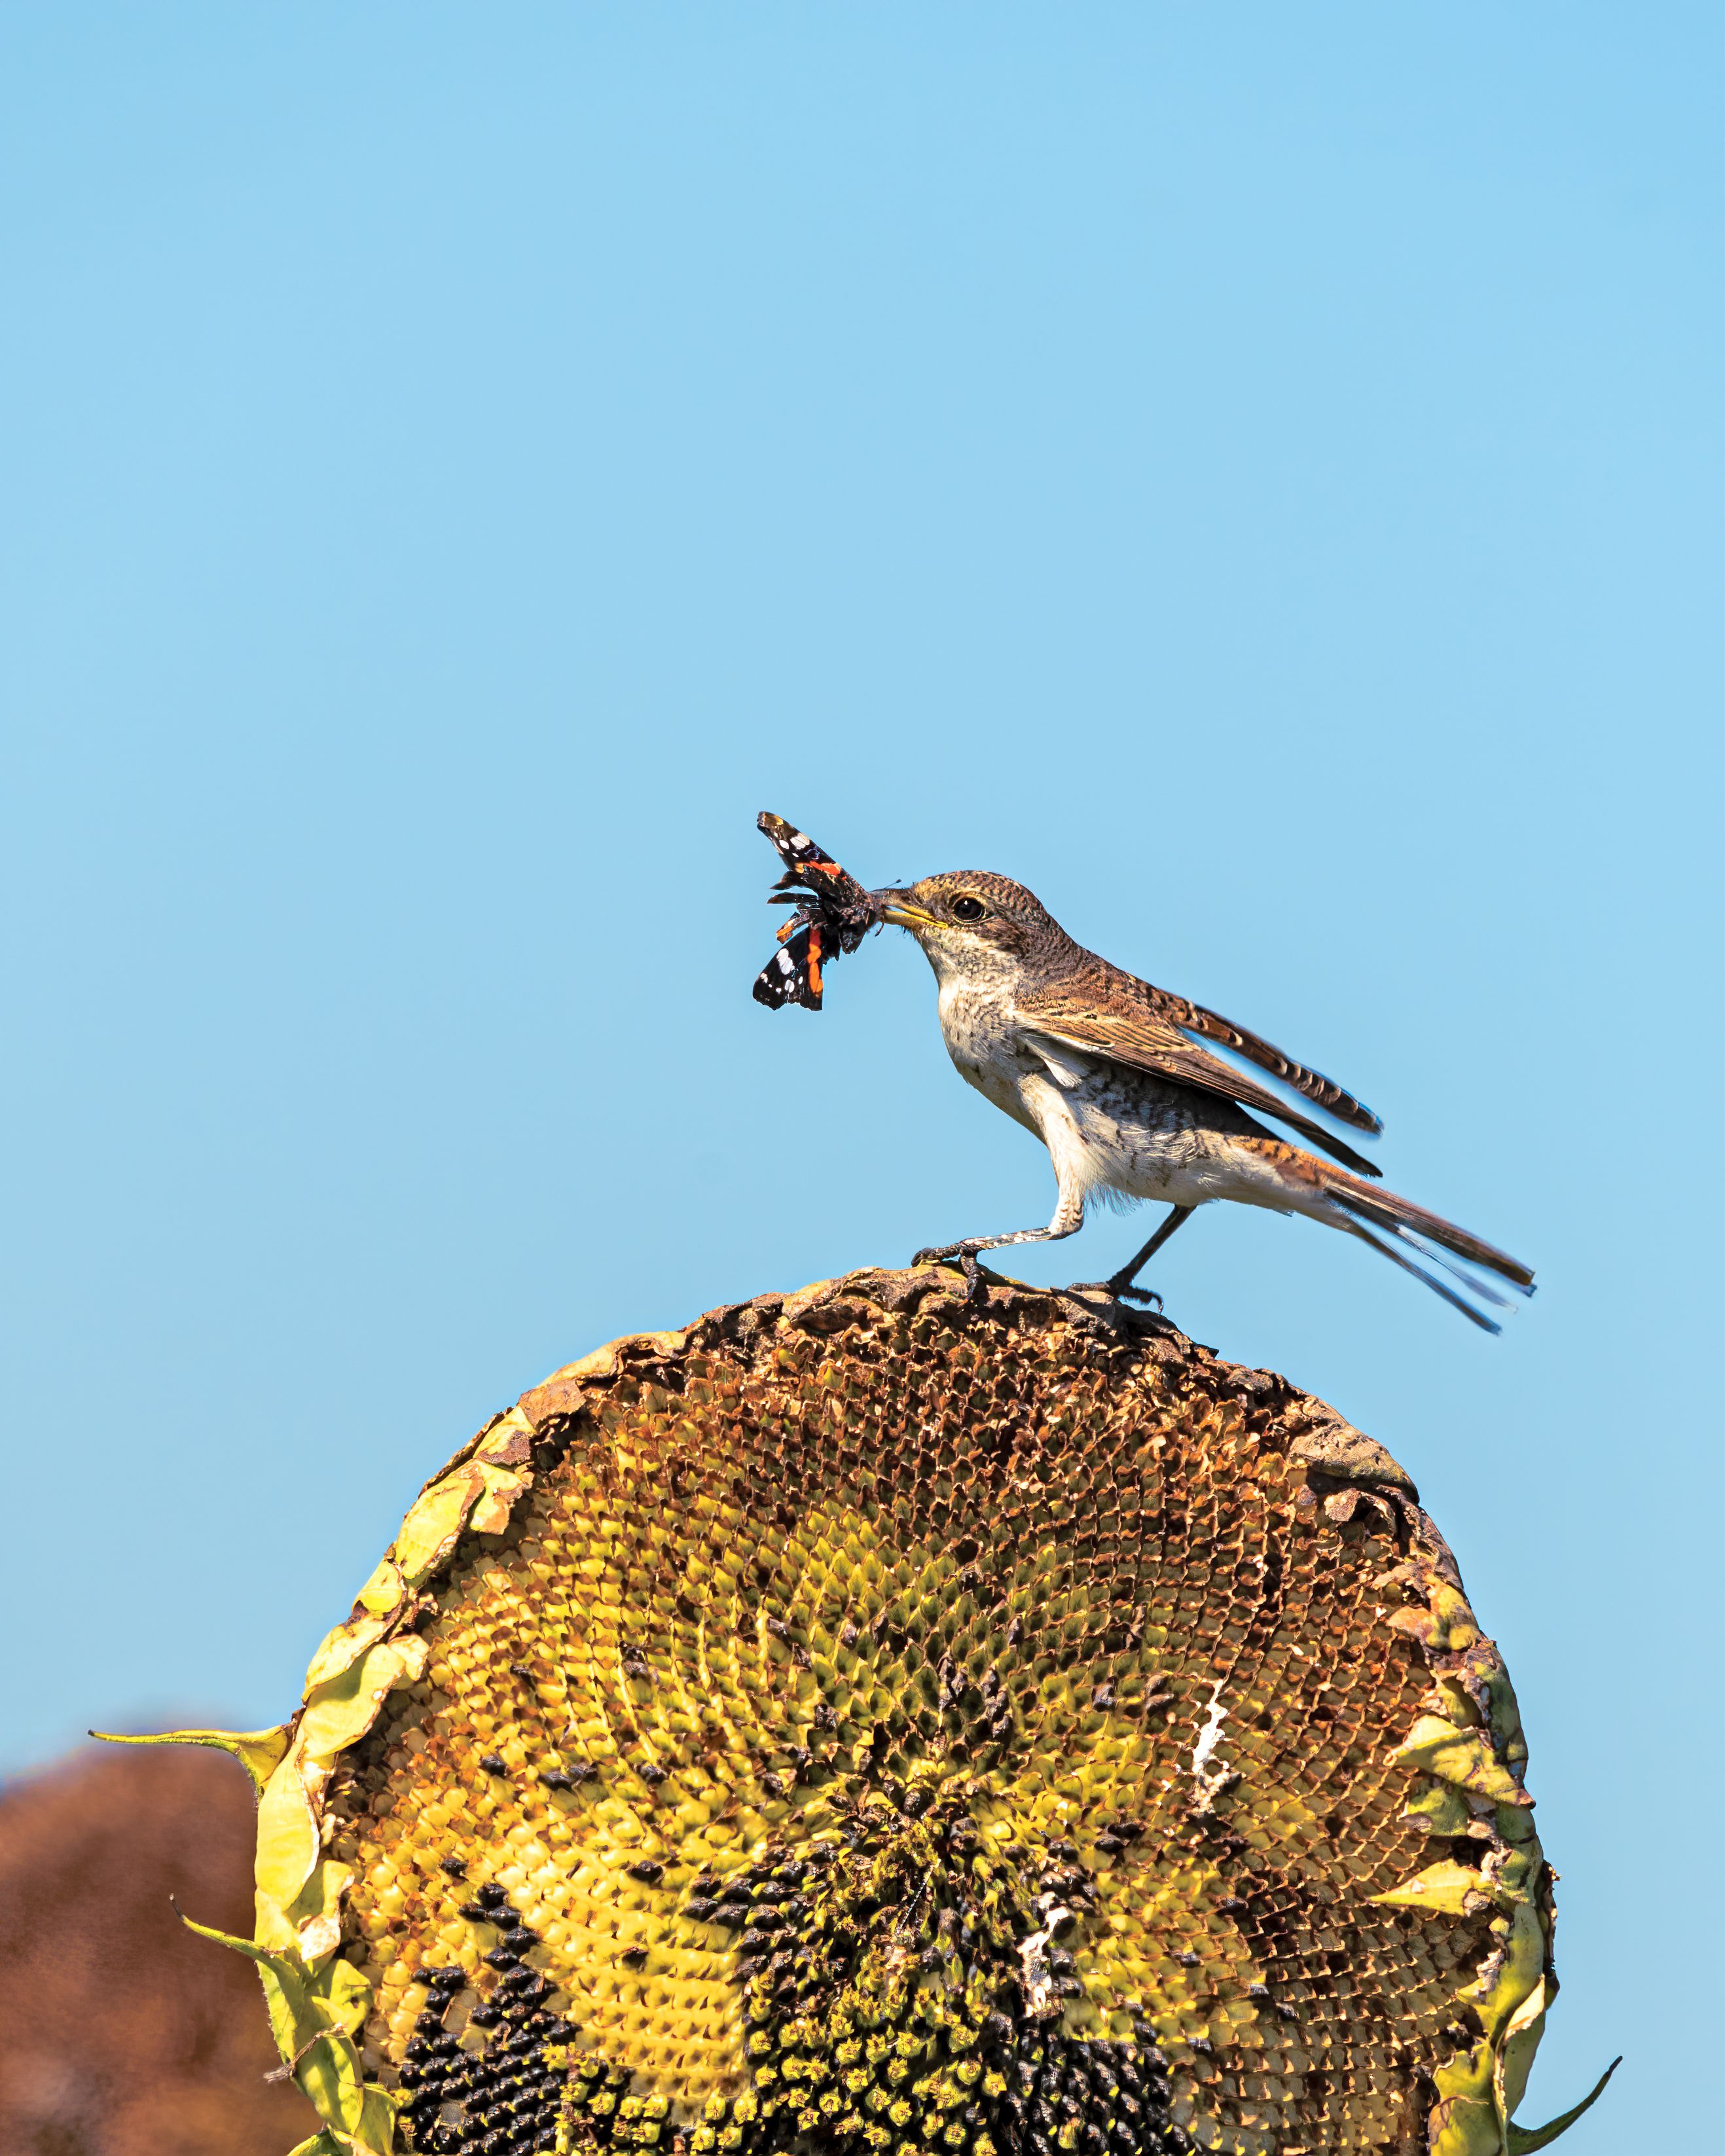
{"points": [[1121, 1283], [1068, 1220]]}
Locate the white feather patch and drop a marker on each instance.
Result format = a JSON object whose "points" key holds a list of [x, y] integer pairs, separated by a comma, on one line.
{"points": [[1061, 1068]]}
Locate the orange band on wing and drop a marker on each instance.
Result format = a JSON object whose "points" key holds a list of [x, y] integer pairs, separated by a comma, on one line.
{"points": [[814, 960]]}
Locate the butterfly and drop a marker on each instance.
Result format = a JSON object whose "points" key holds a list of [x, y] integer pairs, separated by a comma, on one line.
{"points": [[834, 914]]}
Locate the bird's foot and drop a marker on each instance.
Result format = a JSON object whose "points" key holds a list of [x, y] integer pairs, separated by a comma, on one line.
{"points": [[966, 1255], [1118, 1288]]}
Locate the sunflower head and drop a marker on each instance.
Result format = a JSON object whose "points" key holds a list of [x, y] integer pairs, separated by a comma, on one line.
{"points": [[874, 1724]]}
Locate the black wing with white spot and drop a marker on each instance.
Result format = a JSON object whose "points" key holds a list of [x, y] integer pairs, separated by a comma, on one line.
{"points": [[793, 973], [797, 850]]}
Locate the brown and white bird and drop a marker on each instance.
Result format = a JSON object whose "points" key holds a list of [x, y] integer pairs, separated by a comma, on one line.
{"points": [[1106, 1070]]}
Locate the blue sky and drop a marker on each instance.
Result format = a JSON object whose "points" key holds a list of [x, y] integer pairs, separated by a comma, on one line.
{"points": [[1249, 472]]}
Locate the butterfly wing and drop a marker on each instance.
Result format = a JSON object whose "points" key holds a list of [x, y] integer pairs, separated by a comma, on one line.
{"points": [[795, 848], [791, 975], [812, 873]]}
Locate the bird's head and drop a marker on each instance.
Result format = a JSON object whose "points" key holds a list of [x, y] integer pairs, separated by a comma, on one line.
{"points": [[974, 926]]}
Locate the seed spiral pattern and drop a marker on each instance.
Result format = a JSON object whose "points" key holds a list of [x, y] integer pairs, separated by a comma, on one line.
{"points": [[888, 1725]]}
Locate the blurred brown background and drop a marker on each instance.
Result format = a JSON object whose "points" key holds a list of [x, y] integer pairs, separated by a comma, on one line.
{"points": [[124, 2033]]}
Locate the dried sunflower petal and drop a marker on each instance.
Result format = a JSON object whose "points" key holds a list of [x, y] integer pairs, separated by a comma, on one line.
{"points": [[876, 1722]]}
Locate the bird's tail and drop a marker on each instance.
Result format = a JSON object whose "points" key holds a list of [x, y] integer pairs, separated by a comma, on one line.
{"points": [[1363, 1207]]}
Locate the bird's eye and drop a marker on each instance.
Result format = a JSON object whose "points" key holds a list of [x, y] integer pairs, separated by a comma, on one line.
{"points": [[966, 908]]}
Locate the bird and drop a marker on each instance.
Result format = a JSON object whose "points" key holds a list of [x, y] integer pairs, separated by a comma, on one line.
{"points": [[1118, 1080]]}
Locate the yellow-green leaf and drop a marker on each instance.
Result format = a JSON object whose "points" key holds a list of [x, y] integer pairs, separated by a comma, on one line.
{"points": [[258, 1751], [1454, 1888], [1453, 1755], [429, 1531], [1524, 2140]]}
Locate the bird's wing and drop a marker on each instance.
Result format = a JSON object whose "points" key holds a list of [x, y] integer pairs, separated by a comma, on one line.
{"points": [[1192, 1017], [1144, 1039]]}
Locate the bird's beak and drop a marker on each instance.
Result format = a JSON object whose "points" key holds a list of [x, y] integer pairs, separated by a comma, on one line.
{"points": [[895, 908]]}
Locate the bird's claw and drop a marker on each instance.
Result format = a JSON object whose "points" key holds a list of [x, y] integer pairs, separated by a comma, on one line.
{"points": [[966, 1256], [1116, 1288]]}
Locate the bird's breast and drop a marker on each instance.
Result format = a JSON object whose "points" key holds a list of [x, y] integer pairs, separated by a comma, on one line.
{"points": [[979, 1028]]}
